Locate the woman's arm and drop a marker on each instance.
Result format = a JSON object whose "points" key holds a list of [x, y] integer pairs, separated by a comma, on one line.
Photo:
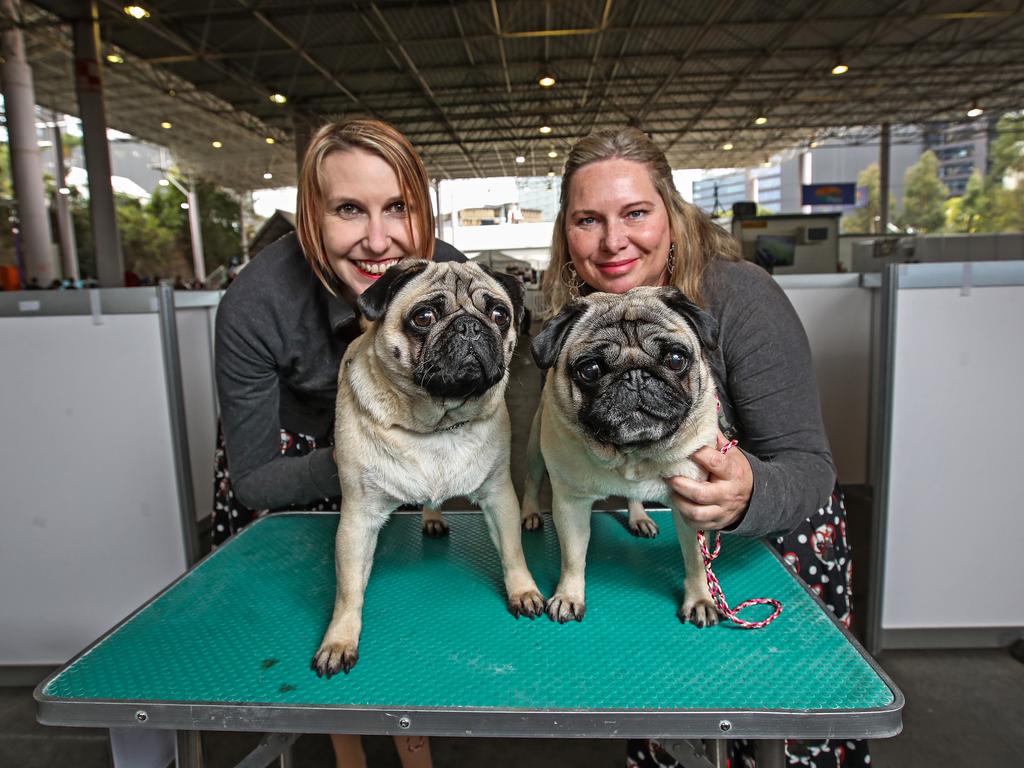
{"points": [[248, 347], [770, 381]]}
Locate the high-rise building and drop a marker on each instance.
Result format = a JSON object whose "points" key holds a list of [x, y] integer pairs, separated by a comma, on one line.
{"points": [[961, 149]]}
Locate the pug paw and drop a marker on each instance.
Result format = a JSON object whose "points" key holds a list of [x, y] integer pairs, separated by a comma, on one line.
{"points": [[529, 604], [645, 528], [333, 658], [564, 608], [435, 529], [701, 612], [533, 522]]}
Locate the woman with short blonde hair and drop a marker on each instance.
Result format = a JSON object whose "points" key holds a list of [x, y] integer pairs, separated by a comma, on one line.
{"points": [[285, 323]]}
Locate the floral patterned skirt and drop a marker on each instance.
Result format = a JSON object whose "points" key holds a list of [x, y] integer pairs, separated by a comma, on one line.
{"points": [[818, 553], [229, 515]]}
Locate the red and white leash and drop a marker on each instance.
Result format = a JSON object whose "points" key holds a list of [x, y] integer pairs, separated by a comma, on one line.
{"points": [[716, 589]]}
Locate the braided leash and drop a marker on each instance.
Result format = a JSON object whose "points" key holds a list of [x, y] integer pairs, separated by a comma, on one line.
{"points": [[716, 589]]}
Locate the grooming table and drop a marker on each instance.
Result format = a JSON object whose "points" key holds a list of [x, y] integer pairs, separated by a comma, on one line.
{"points": [[228, 646]]}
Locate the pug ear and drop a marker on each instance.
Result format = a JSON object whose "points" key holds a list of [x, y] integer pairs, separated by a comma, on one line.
{"points": [[374, 301], [703, 323], [548, 343], [513, 287]]}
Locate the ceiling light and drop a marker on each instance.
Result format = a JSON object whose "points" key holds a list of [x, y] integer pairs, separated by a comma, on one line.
{"points": [[114, 58], [268, 175], [813, 145], [546, 81], [551, 173], [270, 139], [727, 146], [553, 154], [761, 120], [136, 11], [975, 111], [65, 190], [840, 69], [184, 206], [167, 125], [520, 159], [545, 129], [216, 144], [278, 98], [164, 183]]}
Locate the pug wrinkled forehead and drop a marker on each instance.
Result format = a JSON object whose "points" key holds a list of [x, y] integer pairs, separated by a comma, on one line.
{"points": [[451, 326], [629, 366]]}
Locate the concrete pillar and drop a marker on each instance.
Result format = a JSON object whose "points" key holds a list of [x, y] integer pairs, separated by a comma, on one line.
{"points": [[26, 164], [196, 232], [89, 87], [806, 177], [883, 180], [242, 199], [65, 226], [303, 130]]}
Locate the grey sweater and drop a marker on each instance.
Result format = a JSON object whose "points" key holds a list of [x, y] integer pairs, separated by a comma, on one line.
{"points": [[764, 362], [280, 339]]}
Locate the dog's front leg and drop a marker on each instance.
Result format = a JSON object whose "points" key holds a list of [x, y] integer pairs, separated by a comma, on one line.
{"points": [[501, 513], [571, 515], [434, 524], [698, 606], [534, 475], [354, 545]]}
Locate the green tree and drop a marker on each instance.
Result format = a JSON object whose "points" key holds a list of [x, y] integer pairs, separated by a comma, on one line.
{"points": [[219, 223], [1006, 153], [924, 195], [973, 205], [866, 219]]}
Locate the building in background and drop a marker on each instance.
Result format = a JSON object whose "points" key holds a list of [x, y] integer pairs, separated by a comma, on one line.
{"points": [[961, 148]]}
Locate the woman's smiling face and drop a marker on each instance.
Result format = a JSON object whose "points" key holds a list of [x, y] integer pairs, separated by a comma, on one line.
{"points": [[617, 226], [366, 224]]}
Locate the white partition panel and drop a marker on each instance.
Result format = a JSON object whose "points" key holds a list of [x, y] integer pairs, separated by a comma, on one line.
{"points": [[91, 523], [950, 518], [836, 314], [195, 312]]}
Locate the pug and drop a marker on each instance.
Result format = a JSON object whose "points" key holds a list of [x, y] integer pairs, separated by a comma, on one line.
{"points": [[628, 398], [421, 418]]}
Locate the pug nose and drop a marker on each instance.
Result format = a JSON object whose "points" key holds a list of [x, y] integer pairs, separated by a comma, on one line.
{"points": [[636, 379], [468, 327]]}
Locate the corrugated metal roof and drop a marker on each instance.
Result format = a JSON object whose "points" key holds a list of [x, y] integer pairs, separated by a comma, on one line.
{"points": [[460, 77]]}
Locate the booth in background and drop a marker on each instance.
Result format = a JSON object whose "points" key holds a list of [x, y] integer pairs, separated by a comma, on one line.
{"points": [[790, 244]]}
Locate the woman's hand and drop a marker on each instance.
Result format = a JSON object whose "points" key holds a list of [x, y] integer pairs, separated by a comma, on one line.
{"points": [[722, 499]]}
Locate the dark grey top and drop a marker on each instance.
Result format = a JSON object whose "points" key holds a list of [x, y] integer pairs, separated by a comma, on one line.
{"points": [[770, 388], [280, 340]]}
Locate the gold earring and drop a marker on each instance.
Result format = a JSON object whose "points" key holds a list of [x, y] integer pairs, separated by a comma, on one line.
{"points": [[571, 280]]}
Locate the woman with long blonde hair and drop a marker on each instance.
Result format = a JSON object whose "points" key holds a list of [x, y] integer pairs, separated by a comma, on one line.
{"points": [[621, 223]]}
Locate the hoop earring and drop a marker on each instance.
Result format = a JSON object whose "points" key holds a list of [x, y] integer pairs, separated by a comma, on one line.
{"points": [[571, 280], [670, 265]]}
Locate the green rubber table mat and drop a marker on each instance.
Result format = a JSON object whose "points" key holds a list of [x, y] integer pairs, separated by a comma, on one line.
{"points": [[229, 645]]}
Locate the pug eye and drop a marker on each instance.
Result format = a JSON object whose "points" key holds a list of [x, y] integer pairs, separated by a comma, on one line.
{"points": [[424, 317], [589, 371], [675, 360], [499, 316]]}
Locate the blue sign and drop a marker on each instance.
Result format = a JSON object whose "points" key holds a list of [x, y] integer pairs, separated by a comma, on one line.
{"points": [[828, 194]]}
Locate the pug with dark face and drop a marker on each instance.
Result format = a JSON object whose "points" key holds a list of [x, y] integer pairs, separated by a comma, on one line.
{"points": [[629, 397], [421, 418]]}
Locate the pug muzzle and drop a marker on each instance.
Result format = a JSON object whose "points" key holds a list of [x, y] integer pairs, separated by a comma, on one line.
{"points": [[633, 408], [461, 359]]}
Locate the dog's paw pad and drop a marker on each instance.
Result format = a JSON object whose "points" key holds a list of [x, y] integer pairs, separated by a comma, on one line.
{"points": [[532, 522], [435, 529], [333, 658], [701, 613], [529, 604], [563, 609], [645, 528]]}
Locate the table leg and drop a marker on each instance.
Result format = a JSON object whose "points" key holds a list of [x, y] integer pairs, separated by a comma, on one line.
{"points": [[189, 749], [771, 753], [718, 753]]}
